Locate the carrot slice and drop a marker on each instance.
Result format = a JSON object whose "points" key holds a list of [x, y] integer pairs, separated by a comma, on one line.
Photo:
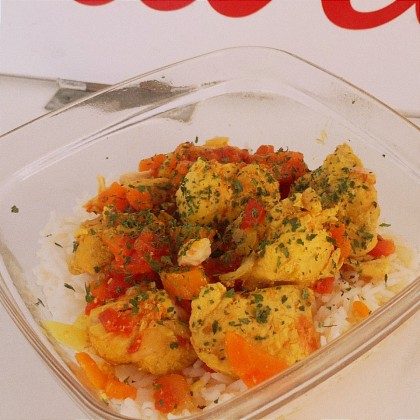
{"points": [[171, 391], [359, 309], [184, 283], [94, 373], [338, 233], [251, 363], [114, 388], [102, 380]]}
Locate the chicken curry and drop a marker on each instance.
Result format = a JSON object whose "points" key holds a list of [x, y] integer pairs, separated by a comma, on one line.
{"points": [[214, 252]]}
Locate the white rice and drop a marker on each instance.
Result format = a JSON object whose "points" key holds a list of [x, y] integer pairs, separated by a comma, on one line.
{"points": [[65, 305], [333, 312]]}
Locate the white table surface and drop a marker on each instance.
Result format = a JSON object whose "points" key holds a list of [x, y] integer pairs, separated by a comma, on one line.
{"points": [[384, 384]]}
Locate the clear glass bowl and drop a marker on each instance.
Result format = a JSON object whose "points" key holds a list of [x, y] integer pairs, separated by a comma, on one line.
{"points": [[253, 95]]}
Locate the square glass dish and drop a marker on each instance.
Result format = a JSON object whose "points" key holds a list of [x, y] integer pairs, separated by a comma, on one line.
{"points": [[253, 95]]}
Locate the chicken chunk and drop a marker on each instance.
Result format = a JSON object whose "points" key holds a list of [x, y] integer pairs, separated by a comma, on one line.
{"points": [[91, 253], [194, 252], [369, 269], [342, 181], [142, 327], [205, 193], [213, 193], [295, 246], [276, 319], [293, 258], [253, 181]]}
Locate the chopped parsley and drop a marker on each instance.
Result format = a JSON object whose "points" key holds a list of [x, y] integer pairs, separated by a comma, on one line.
{"points": [[39, 302], [230, 293], [384, 225], [173, 345], [69, 286], [88, 297], [261, 314]]}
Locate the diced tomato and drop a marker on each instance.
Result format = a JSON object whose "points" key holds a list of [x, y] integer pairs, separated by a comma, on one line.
{"points": [[223, 154], [135, 345], [139, 200], [117, 284], [226, 154], [183, 341], [168, 167], [177, 164], [117, 322], [111, 286], [97, 294], [224, 264], [324, 286], [383, 248], [90, 306], [180, 171], [152, 164], [171, 391], [120, 245], [265, 149], [286, 167], [150, 250], [136, 263], [254, 213], [139, 255], [115, 196]]}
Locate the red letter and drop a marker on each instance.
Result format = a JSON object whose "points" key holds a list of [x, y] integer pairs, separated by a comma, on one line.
{"points": [[341, 13], [166, 5], [94, 2], [238, 8]]}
